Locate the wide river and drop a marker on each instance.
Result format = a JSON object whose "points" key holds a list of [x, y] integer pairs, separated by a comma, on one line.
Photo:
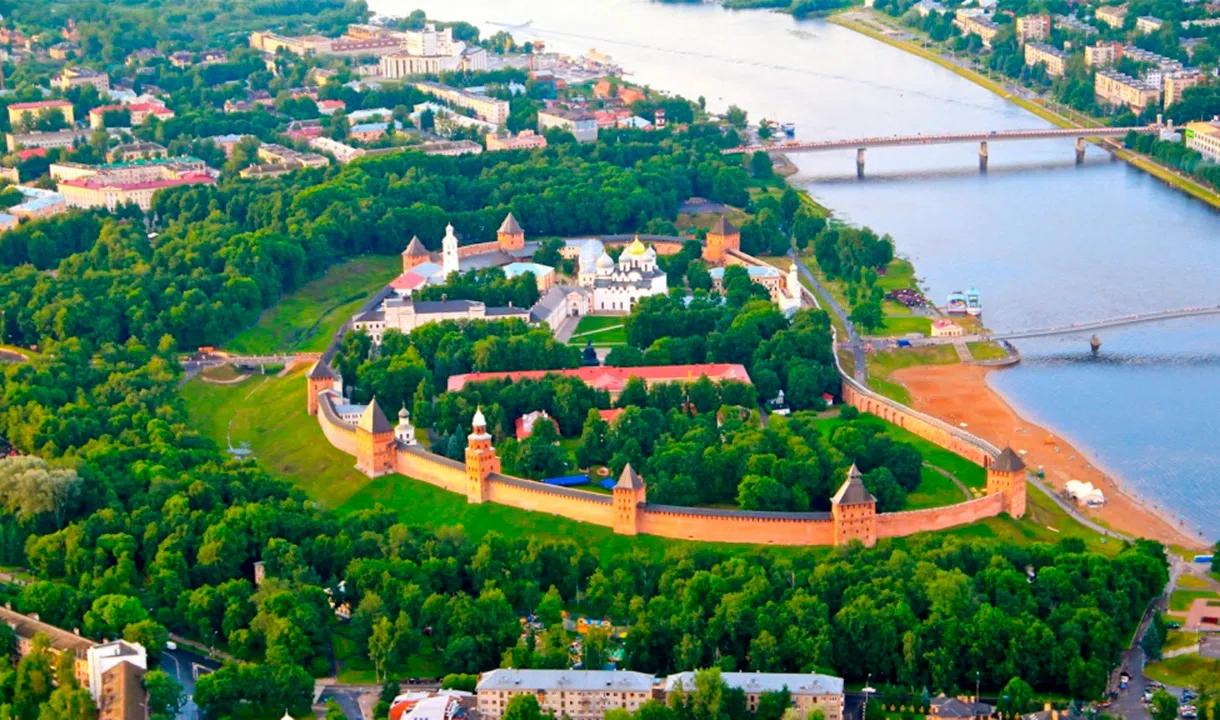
{"points": [[1046, 242]]}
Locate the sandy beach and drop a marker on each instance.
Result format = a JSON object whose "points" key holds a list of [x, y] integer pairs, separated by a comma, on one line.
{"points": [[960, 394]]}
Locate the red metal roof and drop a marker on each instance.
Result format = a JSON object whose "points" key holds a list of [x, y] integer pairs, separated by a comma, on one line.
{"points": [[184, 179], [40, 105], [408, 281], [613, 379]]}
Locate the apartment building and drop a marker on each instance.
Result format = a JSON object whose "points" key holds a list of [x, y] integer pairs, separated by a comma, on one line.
{"points": [[1033, 27], [524, 140], [19, 111], [1120, 89], [1103, 54], [71, 77], [977, 25], [1177, 83], [577, 694], [1113, 15], [810, 691], [583, 125], [485, 108], [272, 153], [1054, 58], [46, 140], [343, 153], [1146, 24], [138, 112]]}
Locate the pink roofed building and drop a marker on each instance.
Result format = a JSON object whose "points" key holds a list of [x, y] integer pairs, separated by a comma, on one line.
{"points": [[526, 423], [330, 107], [614, 379], [95, 192], [140, 113]]}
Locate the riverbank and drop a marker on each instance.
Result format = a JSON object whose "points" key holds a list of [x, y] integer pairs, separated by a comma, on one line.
{"points": [[854, 20], [960, 394]]}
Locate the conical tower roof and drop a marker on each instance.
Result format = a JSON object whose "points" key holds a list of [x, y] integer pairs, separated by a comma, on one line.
{"points": [[321, 371], [510, 226], [1008, 462], [374, 420], [629, 479], [853, 492], [415, 248], [723, 227]]}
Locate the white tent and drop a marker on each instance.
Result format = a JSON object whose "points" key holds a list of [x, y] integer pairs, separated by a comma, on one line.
{"points": [[1084, 493]]}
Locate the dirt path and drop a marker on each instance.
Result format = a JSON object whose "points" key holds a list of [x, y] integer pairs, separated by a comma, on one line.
{"points": [[960, 394]]}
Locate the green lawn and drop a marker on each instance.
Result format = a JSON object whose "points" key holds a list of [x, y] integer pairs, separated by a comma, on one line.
{"points": [[269, 414], [601, 329], [306, 319], [879, 365], [1182, 671], [1178, 639], [1181, 600], [1190, 582], [1044, 521], [355, 668], [907, 325], [935, 490], [987, 350], [971, 475]]}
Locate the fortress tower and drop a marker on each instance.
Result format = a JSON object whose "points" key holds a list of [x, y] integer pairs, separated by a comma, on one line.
{"points": [[854, 510], [319, 378], [629, 495], [449, 252], [481, 459], [510, 236], [721, 238], [415, 254], [1007, 476], [375, 448]]}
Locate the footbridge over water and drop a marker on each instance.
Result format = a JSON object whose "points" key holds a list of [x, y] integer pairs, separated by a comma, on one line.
{"points": [[982, 138], [1138, 319]]}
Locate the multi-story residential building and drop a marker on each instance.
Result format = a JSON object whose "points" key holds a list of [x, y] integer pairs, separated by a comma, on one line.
{"points": [[1120, 89], [1179, 82], [1146, 24], [139, 113], [810, 691], [980, 25], [1033, 27], [46, 140], [577, 694], [371, 132], [447, 148], [343, 153], [1113, 15], [485, 108], [583, 125], [18, 112], [136, 151], [71, 77], [1071, 23], [271, 153], [1204, 137], [1103, 54], [1054, 58], [91, 659], [524, 140]]}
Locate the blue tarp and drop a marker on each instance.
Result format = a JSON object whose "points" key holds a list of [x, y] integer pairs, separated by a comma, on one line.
{"points": [[568, 480], [608, 483]]}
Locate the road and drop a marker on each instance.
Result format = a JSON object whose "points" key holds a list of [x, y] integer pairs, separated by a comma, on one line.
{"points": [[1130, 702], [852, 341], [184, 666]]}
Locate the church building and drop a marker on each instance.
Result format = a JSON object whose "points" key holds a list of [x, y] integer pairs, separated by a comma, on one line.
{"points": [[618, 286]]}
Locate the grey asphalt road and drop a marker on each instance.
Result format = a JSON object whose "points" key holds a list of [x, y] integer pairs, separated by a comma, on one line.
{"points": [[184, 666]]}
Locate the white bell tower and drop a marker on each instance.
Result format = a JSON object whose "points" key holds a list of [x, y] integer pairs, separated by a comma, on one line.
{"points": [[449, 252], [405, 432]]}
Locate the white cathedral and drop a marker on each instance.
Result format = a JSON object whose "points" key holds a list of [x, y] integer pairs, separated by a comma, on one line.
{"points": [[617, 287]]}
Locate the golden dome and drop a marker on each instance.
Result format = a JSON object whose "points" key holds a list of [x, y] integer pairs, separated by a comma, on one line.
{"points": [[636, 247]]}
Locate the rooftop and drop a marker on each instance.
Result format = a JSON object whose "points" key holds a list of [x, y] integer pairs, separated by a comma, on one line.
{"points": [[614, 379], [852, 491], [374, 420], [754, 682], [26, 626], [754, 271], [509, 679]]}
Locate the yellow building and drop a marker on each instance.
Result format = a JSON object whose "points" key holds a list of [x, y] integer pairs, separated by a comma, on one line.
{"points": [[18, 111], [1180, 82], [1054, 58], [1113, 15], [1204, 137], [1120, 89], [972, 25], [485, 108], [1102, 54], [71, 77]]}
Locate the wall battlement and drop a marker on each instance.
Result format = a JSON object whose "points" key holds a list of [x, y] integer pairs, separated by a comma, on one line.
{"points": [[627, 510]]}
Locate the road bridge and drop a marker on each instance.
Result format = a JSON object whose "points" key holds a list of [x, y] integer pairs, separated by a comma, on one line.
{"points": [[982, 138]]}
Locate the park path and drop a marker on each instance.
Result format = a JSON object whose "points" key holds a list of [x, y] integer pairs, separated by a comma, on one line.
{"points": [[852, 340], [960, 485]]}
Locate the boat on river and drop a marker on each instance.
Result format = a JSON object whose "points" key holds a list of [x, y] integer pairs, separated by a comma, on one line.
{"points": [[788, 128], [974, 306], [956, 304]]}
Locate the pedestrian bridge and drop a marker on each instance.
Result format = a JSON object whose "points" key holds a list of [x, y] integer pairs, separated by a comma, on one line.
{"points": [[1084, 327]]}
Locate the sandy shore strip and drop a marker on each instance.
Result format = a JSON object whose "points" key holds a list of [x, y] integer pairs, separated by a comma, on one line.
{"points": [[960, 394]]}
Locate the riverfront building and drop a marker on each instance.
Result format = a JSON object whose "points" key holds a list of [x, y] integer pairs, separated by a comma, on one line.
{"points": [[1052, 57], [1177, 83], [977, 25], [1118, 88], [1204, 137], [431, 52]]}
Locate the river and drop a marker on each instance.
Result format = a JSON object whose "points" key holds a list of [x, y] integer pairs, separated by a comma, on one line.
{"points": [[1045, 241]]}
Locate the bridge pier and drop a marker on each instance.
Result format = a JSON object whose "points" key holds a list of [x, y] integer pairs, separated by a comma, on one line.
{"points": [[1080, 146], [860, 163], [983, 153]]}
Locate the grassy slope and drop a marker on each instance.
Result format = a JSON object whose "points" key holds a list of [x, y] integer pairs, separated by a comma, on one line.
{"points": [[935, 490], [971, 475], [306, 319], [987, 350], [269, 413], [1182, 671]]}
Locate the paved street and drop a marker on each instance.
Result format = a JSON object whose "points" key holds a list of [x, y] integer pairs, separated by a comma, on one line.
{"points": [[184, 666]]}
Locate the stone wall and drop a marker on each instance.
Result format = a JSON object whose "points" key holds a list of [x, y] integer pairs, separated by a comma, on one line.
{"points": [[340, 434], [736, 526], [465, 251], [580, 505], [899, 524], [929, 428], [438, 470]]}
